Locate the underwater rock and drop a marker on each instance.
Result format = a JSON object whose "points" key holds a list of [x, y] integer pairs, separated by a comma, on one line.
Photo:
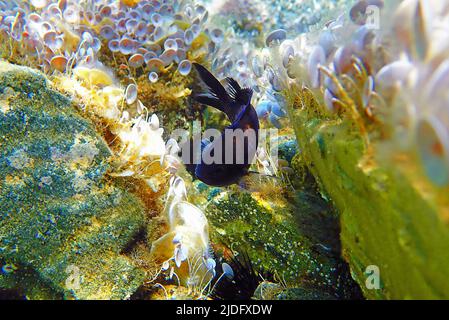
{"points": [[302, 294], [288, 149], [393, 234], [273, 291], [274, 241], [64, 223]]}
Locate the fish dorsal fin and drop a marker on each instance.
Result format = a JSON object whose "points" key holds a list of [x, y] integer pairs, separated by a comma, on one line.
{"points": [[233, 88], [216, 89], [220, 98], [245, 96], [236, 93]]}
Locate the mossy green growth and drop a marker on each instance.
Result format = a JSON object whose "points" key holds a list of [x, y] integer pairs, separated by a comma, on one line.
{"points": [[385, 221], [273, 239], [23, 282], [63, 223], [288, 149], [273, 291]]}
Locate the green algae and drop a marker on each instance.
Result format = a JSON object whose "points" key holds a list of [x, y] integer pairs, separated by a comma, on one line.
{"points": [[61, 216], [274, 240], [385, 221], [273, 291]]}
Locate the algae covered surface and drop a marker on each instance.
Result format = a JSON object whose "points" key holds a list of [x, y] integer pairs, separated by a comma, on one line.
{"points": [[347, 196], [67, 225], [61, 215], [385, 221], [274, 241]]}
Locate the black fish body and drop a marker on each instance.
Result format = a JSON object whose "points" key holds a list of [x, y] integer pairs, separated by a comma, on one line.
{"points": [[235, 102]]}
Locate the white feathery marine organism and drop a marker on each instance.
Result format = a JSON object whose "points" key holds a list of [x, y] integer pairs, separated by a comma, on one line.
{"points": [[144, 139], [187, 242], [170, 159]]}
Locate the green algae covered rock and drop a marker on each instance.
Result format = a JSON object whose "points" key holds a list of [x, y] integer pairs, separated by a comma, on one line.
{"points": [[273, 291], [389, 227], [276, 242], [63, 223]]}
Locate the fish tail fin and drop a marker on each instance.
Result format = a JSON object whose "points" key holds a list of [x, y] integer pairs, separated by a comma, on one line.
{"points": [[209, 100], [217, 91]]}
